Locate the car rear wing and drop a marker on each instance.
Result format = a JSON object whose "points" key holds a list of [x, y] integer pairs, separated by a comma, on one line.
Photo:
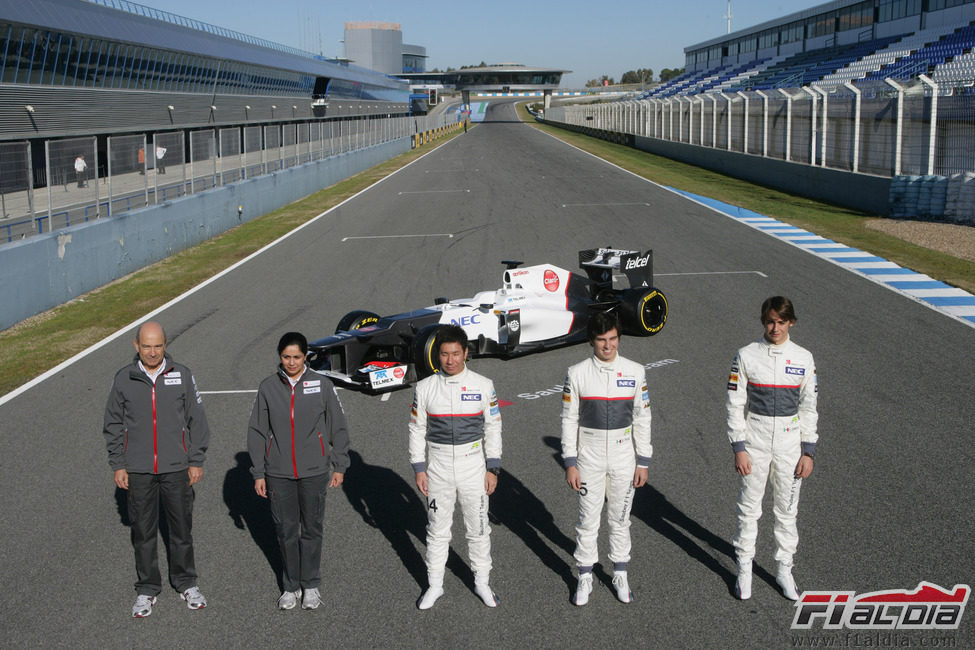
{"points": [[600, 263]]}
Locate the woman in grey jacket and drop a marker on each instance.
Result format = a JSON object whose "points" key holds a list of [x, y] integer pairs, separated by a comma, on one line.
{"points": [[297, 437]]}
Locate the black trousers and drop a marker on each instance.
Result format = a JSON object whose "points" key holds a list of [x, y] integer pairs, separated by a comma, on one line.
{"points": [[145, 493], [298, 509]]}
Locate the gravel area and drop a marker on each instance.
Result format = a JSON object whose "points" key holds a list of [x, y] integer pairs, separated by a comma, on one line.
{"points": [[955, 240]]}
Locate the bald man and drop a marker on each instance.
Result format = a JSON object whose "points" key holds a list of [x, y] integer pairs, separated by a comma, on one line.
{"points": [[157, 436]]}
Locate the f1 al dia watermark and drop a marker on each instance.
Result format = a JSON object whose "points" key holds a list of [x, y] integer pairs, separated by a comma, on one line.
{"points": [[928, 607]]}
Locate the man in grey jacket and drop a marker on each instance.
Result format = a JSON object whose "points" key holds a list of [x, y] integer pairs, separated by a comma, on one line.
{"points": [[157, 436]]}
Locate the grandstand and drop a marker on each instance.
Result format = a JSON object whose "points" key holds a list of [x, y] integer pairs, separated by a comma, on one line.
{"points": [[96, 91], [816, 101], [943, 53]]}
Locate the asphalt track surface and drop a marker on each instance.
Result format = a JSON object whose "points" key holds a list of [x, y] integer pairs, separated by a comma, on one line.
{"points": [[888, 505]]}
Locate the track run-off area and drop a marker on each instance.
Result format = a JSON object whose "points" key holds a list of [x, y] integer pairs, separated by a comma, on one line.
{"points": [[887, 507]]}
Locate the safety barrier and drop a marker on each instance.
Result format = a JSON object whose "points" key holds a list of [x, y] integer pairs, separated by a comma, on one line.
{"points": [[423, 137], [948, 199]]}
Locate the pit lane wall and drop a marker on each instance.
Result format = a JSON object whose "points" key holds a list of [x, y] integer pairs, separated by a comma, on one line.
{"points": [[863, 192], [44, 271]]}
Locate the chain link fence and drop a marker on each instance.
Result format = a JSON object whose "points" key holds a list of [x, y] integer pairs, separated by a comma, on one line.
{"points": [[128, 183], [72, 188], [878, 127], [16, 188], [84, 178], [231, 165], [169, 166]]}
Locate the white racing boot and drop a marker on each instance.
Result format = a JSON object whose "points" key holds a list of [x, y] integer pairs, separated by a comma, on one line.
{"points": [[743, 587], [583, 589], [622, 586], [783, 576], [484, 592], [429, 597]]}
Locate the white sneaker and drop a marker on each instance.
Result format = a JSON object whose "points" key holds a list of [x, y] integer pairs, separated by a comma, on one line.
{"points": [[289, 599], [143, 606], [311, 599], [485, 594], [743, 587], [194, 599], [785, 580], [622, 586], [583, 589], [429, 597]]}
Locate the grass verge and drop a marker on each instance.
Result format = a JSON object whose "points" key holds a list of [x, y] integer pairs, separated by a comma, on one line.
{"points": [[831, 221], [37, 344]]}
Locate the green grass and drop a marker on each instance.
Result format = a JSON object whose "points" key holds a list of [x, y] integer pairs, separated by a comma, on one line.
{"points": [[34, 346], [834, 222]]}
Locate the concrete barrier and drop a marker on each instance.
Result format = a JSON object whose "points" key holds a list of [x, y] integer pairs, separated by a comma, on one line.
{"points": [[862, 192], [47, 270]]}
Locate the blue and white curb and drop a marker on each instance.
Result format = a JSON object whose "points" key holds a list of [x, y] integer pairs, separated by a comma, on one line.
{"points": [[942, 297]]}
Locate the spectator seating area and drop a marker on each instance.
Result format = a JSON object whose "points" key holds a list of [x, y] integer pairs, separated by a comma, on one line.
{"points": [[945, 54]]}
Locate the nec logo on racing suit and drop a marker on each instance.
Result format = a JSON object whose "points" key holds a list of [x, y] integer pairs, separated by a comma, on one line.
{"points": [[637, 262], [470, 397], [466, 320], [928, 607], [793, 370], [626, 383]]}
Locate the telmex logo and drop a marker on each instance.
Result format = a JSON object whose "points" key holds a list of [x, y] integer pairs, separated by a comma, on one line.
{"points": [[637, 262], [929, 607]]}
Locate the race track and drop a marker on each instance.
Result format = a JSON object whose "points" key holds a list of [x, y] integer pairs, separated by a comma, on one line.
{"points": [[888, 505]]}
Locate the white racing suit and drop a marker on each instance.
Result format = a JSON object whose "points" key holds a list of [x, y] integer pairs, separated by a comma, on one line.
{"points": [[606, 435], [771, 415], [455, 433]]}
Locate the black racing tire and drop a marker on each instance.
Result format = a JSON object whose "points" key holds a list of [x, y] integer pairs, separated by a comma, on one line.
{"points": [[643, 312], [355, 320], [425, 360]]}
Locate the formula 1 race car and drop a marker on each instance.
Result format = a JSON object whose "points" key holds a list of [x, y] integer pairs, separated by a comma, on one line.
{"points": [[537, 308]]}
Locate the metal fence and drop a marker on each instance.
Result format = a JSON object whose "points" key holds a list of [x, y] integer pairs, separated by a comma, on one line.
{"points": [[883, 128], [88, 178]]}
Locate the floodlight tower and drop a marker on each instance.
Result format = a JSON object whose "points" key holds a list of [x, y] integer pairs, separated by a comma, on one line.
{"points": [[728, 16]]}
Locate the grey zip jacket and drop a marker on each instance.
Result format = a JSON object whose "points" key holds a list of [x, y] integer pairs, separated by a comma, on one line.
{"points": [[297, 432], [155, 428]]}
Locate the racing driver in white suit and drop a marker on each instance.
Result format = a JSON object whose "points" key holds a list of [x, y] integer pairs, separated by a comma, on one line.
{"points": [[455, 450], [605, 439], [772, 428]]}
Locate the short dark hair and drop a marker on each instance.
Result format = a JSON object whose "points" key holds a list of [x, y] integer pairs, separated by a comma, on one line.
{"points": [[293, 338], [450, 334], [781, 306], [600, 323]]}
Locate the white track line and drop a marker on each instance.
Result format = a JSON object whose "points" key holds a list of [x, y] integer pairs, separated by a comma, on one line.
{"points": [[599, 205], [433, 191], [714, 273], [433, 234]]}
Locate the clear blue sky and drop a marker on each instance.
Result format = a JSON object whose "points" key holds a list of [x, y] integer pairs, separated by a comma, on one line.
{"points": [[589, 37]]}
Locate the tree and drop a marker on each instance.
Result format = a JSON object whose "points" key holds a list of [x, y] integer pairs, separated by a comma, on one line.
{"points": [[641, 76], [669, 73]]}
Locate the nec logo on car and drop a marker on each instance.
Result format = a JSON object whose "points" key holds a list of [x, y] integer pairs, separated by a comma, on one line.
{"points": [[637, 262], [466, 320], [470, 397], [792, 370]]}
